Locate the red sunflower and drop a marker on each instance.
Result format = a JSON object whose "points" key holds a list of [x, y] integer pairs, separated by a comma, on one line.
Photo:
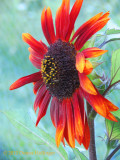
{"points": [[62, 76]]}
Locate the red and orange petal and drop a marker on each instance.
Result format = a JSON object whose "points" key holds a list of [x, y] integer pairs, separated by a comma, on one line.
{"points": [[70, 123], [93, 52], [86, 84], [79, 125], [47, 25], [25, 80], [87, 25], [61, 124], [73, 16], [86, 138], [69, 118], [88, 29], [88, 67], [100, 104], [38, 46], [43, 106], [40, 95]]}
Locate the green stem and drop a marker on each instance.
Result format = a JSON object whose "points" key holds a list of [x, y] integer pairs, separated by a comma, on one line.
{"points": [[104, 43], [113, 152], [92, 147]]}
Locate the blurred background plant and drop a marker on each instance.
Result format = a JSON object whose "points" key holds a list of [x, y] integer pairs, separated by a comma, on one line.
{"points": [[21, 16]]}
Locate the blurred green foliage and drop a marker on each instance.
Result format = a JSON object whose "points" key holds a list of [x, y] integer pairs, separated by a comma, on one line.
{"points": [[17, 17]]}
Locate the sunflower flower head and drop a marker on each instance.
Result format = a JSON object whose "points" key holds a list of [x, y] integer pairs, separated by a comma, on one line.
{"points": [[62, 76]]}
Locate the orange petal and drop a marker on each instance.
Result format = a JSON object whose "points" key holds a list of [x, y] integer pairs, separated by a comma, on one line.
{"points": [[88, 67], [93, 52], [86, 84], [105, 15], [80, 62]]}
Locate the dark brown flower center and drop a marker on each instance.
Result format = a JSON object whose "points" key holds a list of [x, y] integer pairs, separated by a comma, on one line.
{"points": [[59, 71]]}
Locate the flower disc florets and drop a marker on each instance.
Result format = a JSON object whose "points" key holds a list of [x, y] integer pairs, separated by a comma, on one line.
{"points": [[59, 71]]}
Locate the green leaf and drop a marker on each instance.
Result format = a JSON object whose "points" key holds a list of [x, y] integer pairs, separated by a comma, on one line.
{"points": [[113, 31], [97, 82], [79, 155], [115, 66], [94, 75], [42, 138], [113, 129]]}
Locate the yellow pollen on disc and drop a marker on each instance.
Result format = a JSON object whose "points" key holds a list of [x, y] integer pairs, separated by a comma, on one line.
{"points": [[49, 69]]}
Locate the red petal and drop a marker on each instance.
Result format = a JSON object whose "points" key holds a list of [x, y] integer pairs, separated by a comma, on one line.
{"points": [[93, 52], [54, 111], [50, 25], [34, 44], [37, 85], [100, 104], [86, 25], [35, 61], [81, 105], [43, 107], [61, 124], [47, 25], [65, 19], [73, 16], [70, 123], [57, 23], [62, 20], [86, 84], [86, 138], [25, 80], [39, 97], [36, 54], [82, 39], [80, 62]]}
